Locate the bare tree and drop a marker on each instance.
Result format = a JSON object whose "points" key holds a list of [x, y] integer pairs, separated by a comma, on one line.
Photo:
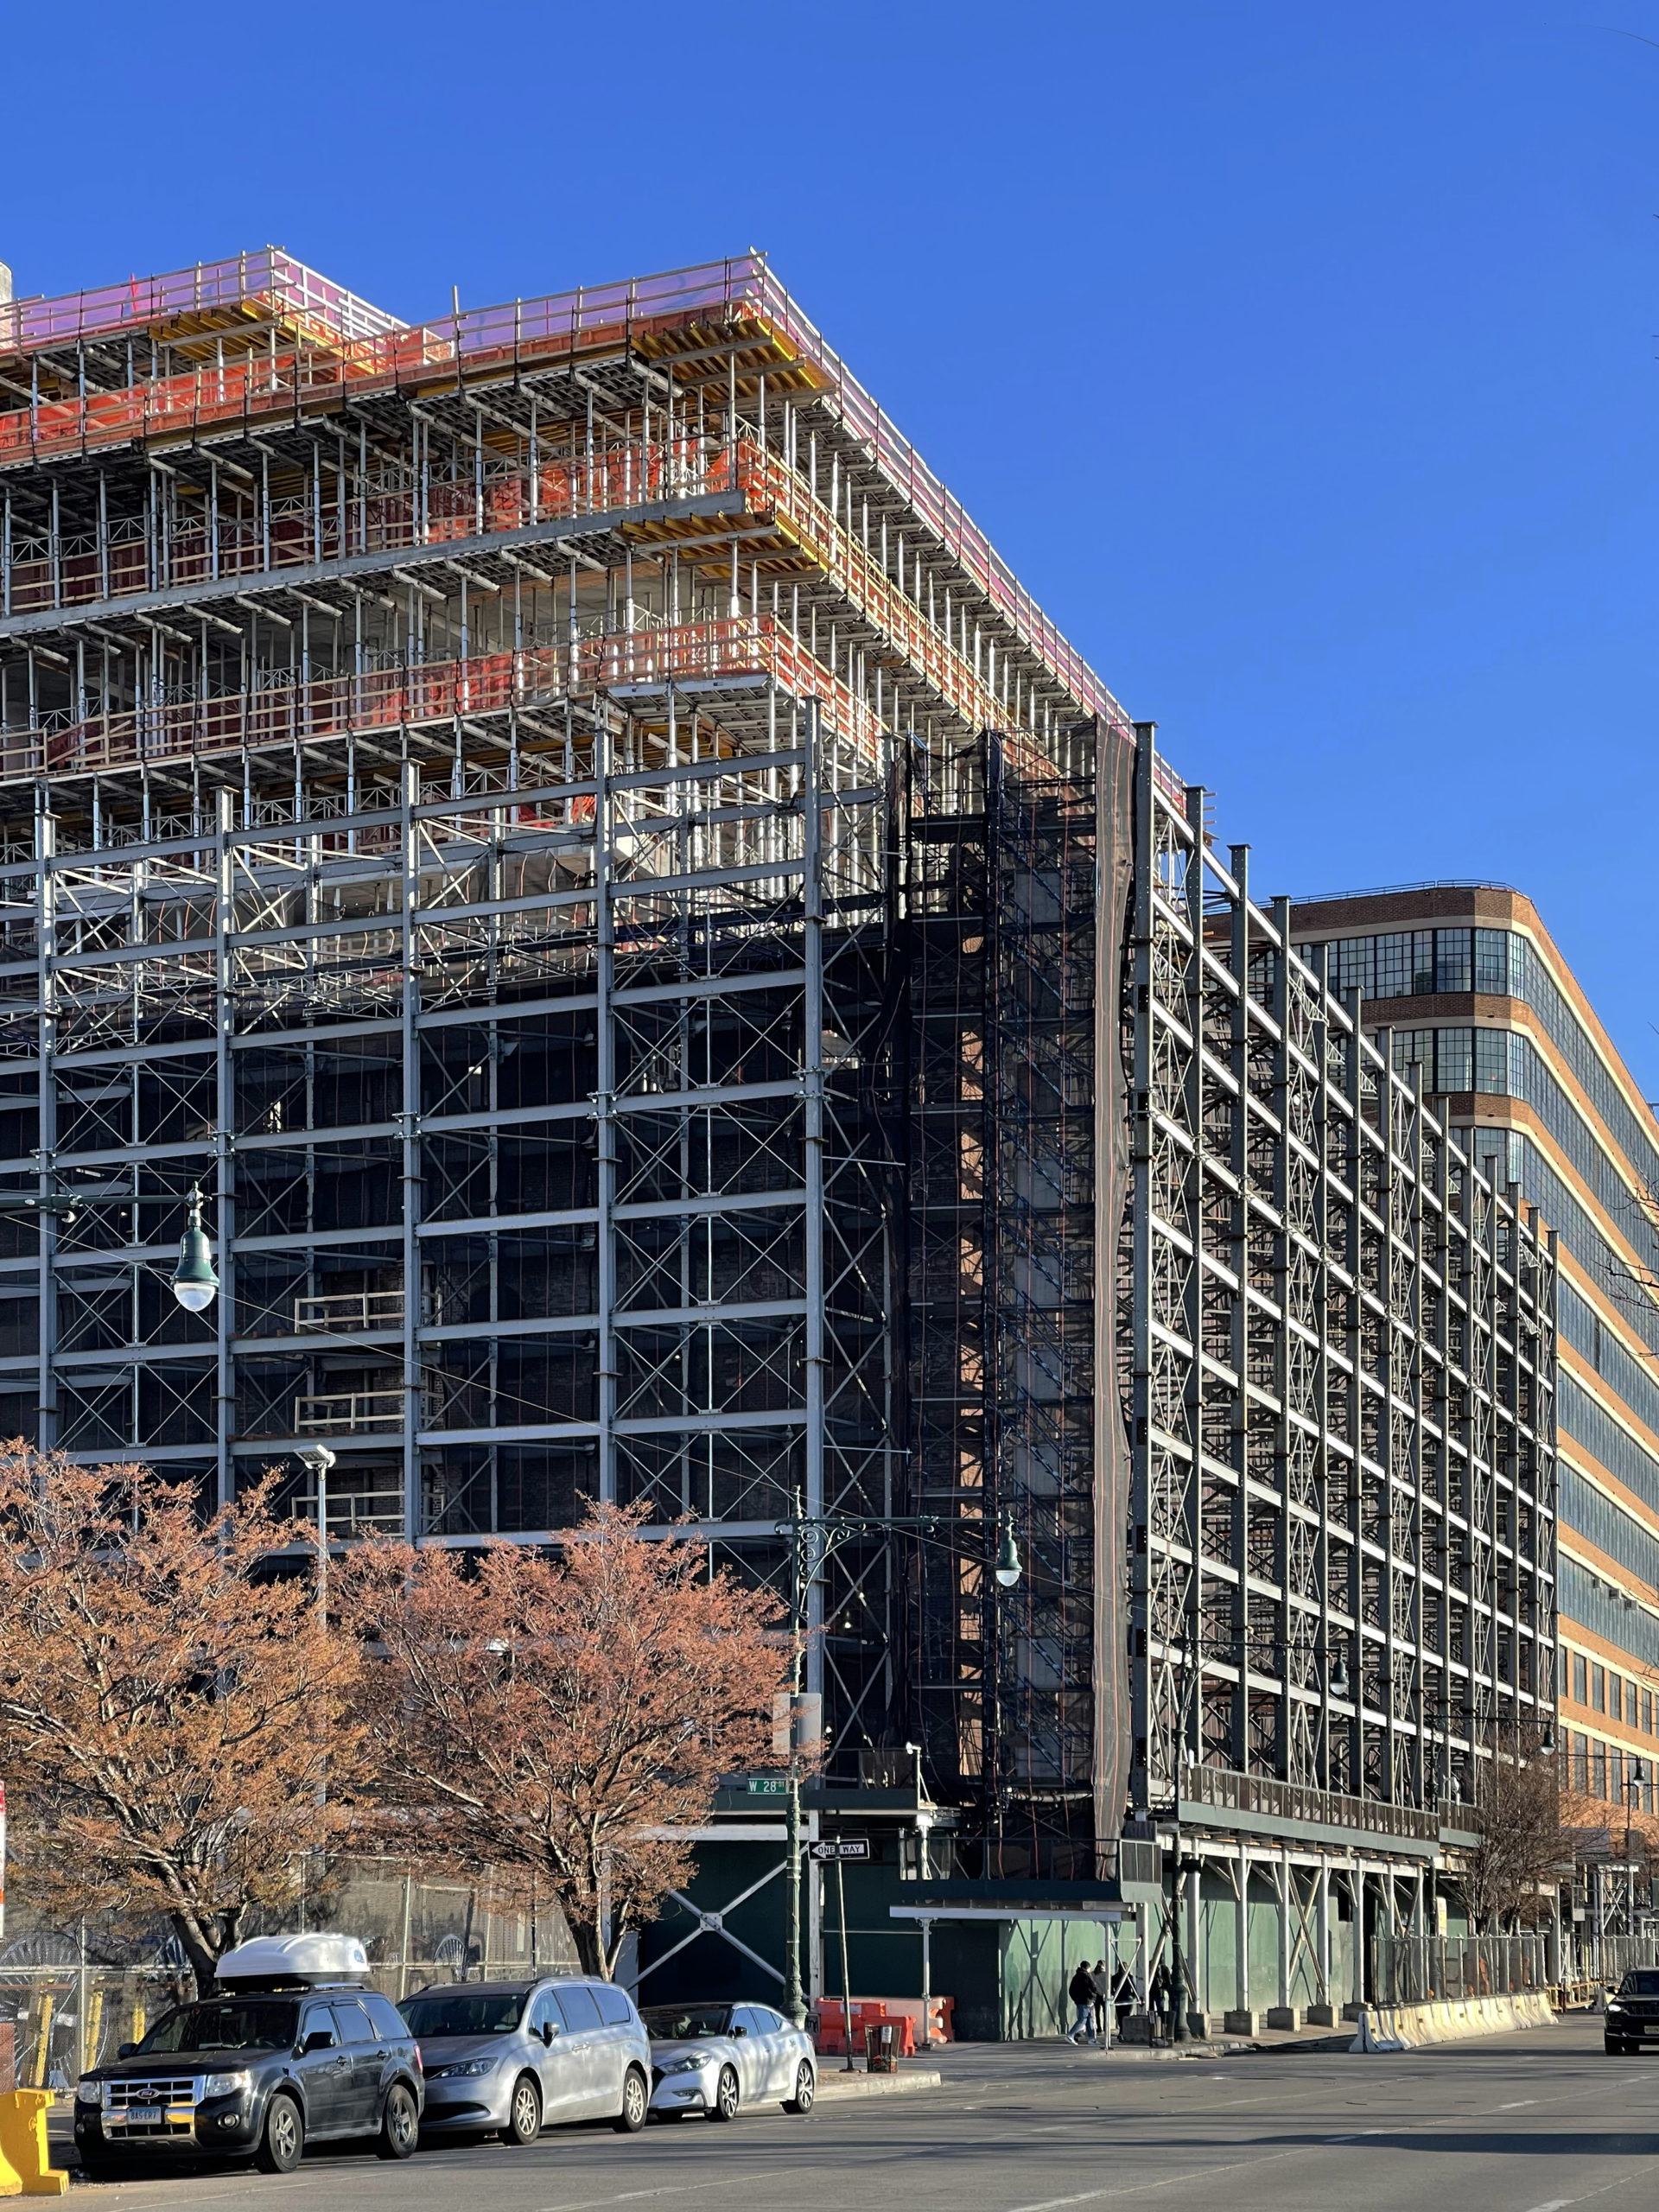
{"points": [[170, 1711], [563, 1721], [1523, 1850]]}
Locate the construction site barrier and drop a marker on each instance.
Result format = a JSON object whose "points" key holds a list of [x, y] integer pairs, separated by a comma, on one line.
{"points": [[1385, 2029], [23, 2146]]}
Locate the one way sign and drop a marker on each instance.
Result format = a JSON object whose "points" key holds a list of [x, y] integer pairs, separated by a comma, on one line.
{"points": [[845, 1847]]}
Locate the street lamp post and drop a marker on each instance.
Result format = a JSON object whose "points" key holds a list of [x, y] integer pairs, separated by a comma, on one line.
{"points": [[319, 1459], [812, 1542]]}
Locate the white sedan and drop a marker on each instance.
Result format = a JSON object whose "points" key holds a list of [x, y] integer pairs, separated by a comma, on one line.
{"points": [[714, 2059]]}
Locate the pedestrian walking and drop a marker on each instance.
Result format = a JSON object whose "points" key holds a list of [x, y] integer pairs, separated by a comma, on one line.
{"points": [[1081, 1990], [1159, 1997], [1102, 1982]]}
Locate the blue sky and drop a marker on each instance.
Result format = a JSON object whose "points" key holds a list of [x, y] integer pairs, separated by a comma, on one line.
{"points": [[1302, 358]]}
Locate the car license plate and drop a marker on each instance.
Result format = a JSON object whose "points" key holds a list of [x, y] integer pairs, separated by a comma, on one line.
{"points": [[145, 2115]]}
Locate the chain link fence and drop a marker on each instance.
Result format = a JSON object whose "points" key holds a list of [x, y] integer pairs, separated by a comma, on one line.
{"points": [[64, 2008]]}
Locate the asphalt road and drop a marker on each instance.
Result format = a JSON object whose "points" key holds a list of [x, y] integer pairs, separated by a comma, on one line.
{"points": [[1535, 2122]]}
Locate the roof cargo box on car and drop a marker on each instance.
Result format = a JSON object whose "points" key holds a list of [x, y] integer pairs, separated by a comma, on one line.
{"points": [[293, 1962]]}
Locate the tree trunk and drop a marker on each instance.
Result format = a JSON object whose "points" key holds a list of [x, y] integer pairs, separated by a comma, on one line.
{"points": [[204, 1961], [590, 1951]]}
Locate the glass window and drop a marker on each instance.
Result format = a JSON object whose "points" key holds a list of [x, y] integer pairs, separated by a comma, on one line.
{"points": [[544, 2012], [673, 2022], [1616, 1696], [1393, 965], [1598, 1689], [614, 2006], [579, 2009], [317, 2020], [388, 2021], [355, 2024], [1415, 1046], [1454, 1060], [1355, 968], [1598, 1767], [1453, 961], [1422, 963], [464, 2011], [229, 2023], [1493, 962], [1492, 1061], [1581, 1678], [1646, 1713]]}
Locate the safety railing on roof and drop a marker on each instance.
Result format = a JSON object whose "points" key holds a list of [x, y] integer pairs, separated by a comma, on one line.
{"points": [[519, 331], [115, 310], [439, 692], [619, 476]]}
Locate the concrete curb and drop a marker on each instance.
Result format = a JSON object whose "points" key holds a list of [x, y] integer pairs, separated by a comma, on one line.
{"points": [[834, 2087]]}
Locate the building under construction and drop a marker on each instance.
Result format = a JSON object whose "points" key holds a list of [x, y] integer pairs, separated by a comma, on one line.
{"points": [[675, 983]]}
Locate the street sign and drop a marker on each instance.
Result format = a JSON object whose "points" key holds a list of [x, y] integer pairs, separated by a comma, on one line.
{"points": [[767, 1785], [846, 1847]]}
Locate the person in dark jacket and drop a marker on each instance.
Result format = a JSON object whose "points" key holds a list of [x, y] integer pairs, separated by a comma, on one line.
{"points": [[1122, 1996], [1080, 1990], [1159, 2001], [1102, 1982]]}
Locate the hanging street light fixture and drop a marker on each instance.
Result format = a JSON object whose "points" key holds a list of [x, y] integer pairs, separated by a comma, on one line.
{"points": [[195, 1285], [1008, 1557]]}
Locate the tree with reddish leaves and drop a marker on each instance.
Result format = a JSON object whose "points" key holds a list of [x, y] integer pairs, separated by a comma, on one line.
{"points": [[562, 1720], [174, 1720]]}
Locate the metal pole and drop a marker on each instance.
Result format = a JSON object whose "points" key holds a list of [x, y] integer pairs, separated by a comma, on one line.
{"points": [[1177, 1987], [794, 2004], [846, 1985]]}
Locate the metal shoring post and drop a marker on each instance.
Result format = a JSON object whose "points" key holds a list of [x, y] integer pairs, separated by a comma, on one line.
{"points": [[410, 1132], [46, 993], [225, 1305], [794, 2003], [812, 1058], [605, 1104], [846, 1983]]}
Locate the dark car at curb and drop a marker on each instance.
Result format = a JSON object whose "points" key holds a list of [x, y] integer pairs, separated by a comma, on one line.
{"points": [[1632, 2014], [258, 2073]]}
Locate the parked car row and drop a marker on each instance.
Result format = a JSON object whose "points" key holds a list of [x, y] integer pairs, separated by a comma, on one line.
{"points": [[295, 2049]]}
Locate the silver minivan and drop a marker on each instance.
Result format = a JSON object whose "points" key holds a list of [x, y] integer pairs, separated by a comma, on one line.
{"points": [[512, 2057]]}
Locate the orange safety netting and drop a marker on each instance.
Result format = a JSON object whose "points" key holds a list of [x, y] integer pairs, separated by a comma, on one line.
{"points": [[439, 692]]}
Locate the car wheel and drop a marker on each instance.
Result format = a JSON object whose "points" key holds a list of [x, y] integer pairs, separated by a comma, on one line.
{"points": [[805, 2089], [725, 2104], [282, 2141], [400, 2123], [524, 2113], [636, 2103]]}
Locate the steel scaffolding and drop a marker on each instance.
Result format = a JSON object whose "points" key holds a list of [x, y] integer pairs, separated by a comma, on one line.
{"points": [[562, 829], [1344, 1363]]}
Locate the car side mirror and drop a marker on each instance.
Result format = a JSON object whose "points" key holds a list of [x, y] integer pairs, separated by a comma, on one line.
{"points": [[740, 2032], [548, 2031], [126, 2050], [319, 2039]]}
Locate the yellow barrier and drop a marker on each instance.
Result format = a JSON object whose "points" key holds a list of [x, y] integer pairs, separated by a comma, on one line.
{"points": [[23, 2146]]}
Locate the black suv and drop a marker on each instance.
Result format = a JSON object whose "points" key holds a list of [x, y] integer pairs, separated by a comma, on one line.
{"points": [[257, 2074]]}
